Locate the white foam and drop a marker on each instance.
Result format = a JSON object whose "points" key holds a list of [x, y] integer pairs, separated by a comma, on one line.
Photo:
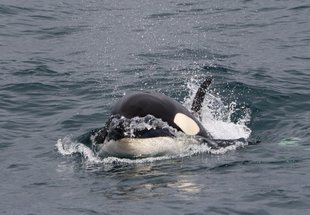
{"points": [[215, 117], [177, 148], [67, 146]]}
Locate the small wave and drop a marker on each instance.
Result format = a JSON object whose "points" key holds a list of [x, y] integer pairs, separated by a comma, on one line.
{"points": [[14, 10], [179, 148], [161, 15], [30, 88], [290, 142], [301, 7], [67, 146]]}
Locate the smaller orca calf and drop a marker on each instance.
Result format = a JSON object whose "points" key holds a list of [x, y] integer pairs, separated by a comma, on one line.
{"points": [[162, 115]]}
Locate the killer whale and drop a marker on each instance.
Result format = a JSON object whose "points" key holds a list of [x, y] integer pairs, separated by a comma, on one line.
{"points": [[155, 108]]}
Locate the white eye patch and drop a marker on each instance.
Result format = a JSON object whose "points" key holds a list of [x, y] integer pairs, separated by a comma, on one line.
{"points": [[187, 124]]}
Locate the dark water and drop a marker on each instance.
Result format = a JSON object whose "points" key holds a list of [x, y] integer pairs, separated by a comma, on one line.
{"points": [[64, 63]]}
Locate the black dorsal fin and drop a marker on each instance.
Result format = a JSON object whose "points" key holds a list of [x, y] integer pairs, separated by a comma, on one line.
{"points": [[200, 95]]}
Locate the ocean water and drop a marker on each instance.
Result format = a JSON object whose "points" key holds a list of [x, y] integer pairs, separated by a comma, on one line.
{"points": [[63, 65]]}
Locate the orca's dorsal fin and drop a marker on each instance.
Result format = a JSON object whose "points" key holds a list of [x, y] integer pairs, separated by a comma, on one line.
{"points": [[200, 95]]}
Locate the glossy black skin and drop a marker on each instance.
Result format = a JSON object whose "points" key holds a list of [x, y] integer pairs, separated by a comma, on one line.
{"points": [[200, 95], [141, 104], [160, 106]]}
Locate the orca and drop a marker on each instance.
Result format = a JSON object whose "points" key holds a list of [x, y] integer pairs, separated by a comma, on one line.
{"points": [[163, 115]]}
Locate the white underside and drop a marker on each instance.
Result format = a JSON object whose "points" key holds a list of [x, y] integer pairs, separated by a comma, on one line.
{"points": [[142, 147]]}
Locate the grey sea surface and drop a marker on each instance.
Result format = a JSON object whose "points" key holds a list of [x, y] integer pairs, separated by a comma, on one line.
{"points": [[63, 65]]}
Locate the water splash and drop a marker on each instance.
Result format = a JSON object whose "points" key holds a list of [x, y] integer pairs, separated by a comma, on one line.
{"points": [[180, 148], [215, 117], [68, 146]]}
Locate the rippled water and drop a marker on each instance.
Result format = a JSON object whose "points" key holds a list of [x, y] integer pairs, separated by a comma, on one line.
{"points": [[65, 63]]}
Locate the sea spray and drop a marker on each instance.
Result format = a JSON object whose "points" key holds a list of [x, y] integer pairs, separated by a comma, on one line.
{"points": [[215, 117]]}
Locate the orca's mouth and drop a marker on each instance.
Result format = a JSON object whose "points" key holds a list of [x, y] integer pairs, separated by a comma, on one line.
{"points": [[119, 127]]}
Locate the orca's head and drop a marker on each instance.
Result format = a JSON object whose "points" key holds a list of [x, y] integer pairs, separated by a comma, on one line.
{"points": [[145, 115]]}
